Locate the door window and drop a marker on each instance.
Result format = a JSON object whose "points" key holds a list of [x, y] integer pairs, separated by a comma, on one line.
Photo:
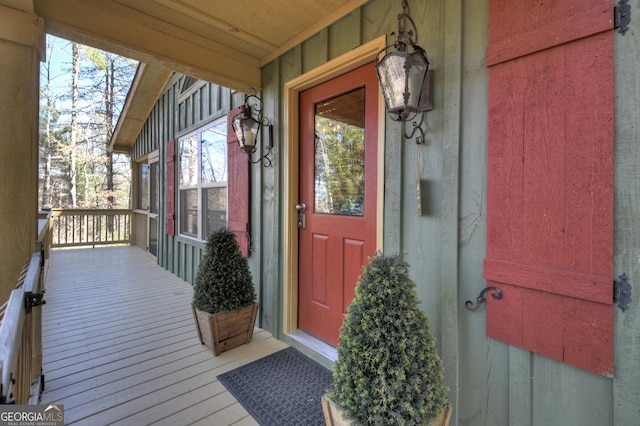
{"points": [[339, 155]]}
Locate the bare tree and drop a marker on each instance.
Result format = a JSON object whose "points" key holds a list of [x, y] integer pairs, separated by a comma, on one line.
{"points": [[52, 133], [46, 142], [76, 168], [108, 96], [73, 186], [115, 73]]}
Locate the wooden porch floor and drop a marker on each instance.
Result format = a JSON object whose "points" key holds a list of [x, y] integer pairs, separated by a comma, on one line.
{"points": [[120, 345]]}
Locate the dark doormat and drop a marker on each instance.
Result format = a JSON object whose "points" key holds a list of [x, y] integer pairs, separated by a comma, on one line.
{"points": [[281, 389]]}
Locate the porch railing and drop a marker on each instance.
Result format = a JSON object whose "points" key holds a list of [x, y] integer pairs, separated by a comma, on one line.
{"points": [[90, 227], [21, 375]]}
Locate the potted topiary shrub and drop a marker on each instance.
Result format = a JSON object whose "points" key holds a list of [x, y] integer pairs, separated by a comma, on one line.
{"points": [[388, 371], [224, 299]]}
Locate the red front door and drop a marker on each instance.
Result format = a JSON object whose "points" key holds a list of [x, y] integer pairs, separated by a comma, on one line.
{"points": [[338, 173]]}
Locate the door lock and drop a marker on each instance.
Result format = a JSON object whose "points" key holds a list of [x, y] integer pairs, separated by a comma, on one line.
{"points": [[301, 208]]}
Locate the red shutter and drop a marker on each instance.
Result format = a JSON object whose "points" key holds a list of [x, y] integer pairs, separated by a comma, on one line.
{"points": [[170, 215], [550, 179], [238, 188]]}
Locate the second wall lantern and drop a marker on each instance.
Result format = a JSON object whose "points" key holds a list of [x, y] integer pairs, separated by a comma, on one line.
{"points": [[247, 124]]}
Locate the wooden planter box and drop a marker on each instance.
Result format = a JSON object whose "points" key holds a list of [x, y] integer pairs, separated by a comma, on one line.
{"points": [[333, 415], [225, 330]]}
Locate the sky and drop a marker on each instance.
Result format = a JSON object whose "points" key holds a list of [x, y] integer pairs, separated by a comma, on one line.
{"points": [[59, 55]]}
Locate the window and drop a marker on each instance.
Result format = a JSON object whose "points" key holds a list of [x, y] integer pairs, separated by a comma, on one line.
{"points": [[203, 180], [154, 197], [143, 192], [153, 190]]}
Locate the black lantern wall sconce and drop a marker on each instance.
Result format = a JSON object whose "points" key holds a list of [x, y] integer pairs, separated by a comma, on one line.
{"points": [[246, 125], [405, 77]]}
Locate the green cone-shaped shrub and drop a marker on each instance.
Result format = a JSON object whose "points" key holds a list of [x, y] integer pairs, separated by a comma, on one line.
{"points": [[388, 371], [224, 281]]}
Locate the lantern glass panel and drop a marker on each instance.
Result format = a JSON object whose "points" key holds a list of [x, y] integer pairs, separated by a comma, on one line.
{"points": [[251, 127], [391, 73], [237, 127], [246, 130], [417, 70]]}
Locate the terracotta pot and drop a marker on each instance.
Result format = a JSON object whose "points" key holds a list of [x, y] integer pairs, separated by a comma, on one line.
{"points": [[333, 415], [225, 330]]}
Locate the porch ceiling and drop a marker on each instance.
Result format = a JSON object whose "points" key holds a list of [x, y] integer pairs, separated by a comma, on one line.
{"points": [[221, 41]]}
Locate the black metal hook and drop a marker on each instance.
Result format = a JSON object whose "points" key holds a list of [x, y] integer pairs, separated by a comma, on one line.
{"points": [[622, 292], [481, 298]]}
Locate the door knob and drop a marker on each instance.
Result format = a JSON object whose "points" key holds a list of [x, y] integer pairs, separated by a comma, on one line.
{"points": [[301, 207]]}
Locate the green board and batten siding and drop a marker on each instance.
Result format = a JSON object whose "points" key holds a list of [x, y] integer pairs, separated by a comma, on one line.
{"points": [[491, 383], [174, 115], [626, 385]]}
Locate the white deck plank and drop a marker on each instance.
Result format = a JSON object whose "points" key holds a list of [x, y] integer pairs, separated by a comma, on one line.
{"points": [[105, 363], [104, 347], [196, 413], [120, 346]]}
